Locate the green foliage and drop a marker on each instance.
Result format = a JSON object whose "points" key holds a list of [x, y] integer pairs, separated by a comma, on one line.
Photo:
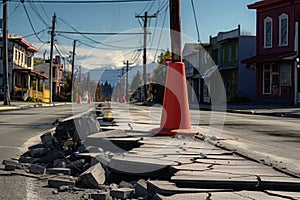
{"points": [[37, 61], [33, 100], [164, 56]]}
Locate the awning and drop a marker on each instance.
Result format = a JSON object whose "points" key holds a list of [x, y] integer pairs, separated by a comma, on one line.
{"points": [[275, 57], [31, 72], [223, 67]]}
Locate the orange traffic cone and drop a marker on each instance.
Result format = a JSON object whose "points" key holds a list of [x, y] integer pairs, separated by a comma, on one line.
{"points": [[79, 99], [175, 117]]}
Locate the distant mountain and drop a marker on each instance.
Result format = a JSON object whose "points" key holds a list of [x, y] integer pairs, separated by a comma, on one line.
{"points": [[112, 76]]}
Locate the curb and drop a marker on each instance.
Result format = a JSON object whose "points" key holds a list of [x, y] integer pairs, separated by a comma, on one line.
{"points": [[245, 153], [37, 105]]}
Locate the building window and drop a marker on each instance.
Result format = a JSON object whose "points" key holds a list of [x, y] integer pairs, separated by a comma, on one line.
{"points": [[271, 81], [285, 74], [223, 55], [283, 30], [229, 53], [29, 63], [16, 55], [267, 79], [268, 28]]}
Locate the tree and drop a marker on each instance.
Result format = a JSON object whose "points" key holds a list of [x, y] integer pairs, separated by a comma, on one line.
{"points": [[159, 77]]}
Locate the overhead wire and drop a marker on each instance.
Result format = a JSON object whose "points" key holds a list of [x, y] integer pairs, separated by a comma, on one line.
{"points": [[163, 24], [36, 12], [83, 2], [196, 22], [32, 27], [33, 34], [15, 9], [97, 42], [43, 9]]}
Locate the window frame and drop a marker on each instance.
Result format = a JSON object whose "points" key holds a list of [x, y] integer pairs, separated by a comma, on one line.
{"points": [[270, 78], [283, 16], [268, 20], [285, 69]]}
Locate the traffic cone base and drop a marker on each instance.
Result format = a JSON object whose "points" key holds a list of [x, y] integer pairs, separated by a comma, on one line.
{"points": [[172, 132], [79, 99]]}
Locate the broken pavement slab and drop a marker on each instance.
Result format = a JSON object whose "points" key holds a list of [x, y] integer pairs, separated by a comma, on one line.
{"points": [[58, 182], [168, 188], [65, 171], [37, 169], [11, 165], [93, 177], [209, 179], [122, 193], [236, 195]]}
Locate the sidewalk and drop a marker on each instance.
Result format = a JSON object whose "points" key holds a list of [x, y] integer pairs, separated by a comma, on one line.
{"points": [[16, 105], [256, 109]]}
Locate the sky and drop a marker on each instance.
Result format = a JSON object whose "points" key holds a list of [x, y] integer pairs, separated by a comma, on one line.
{"points": [[32, 20]]}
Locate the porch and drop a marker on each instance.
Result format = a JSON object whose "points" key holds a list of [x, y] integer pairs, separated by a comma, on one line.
{"points": [[28, 83]]}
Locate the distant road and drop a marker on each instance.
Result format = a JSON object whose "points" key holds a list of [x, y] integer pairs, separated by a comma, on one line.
{"points": [[16, 128]]}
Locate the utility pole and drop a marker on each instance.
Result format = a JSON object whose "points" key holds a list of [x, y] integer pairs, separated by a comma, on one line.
{"points": [[175, 27], [73, 64], [127, 66], [144, 90], [5, 55], [51, 55]]}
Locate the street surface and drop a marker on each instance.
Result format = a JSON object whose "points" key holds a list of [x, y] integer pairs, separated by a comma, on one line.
{"points": [[275, 139], [17, 127]]}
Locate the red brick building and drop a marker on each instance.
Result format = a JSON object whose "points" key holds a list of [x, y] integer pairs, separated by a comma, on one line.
{"points": [[277, 47]]}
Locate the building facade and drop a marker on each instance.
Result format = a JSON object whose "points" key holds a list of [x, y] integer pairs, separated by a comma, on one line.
{"points": [[277, 47], [227, 49], [224, 53], [57, 76], [24, 80]]}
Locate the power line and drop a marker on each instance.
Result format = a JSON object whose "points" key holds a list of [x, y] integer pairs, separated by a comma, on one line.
{"points": [[99, 33], [160, 35], [36, 12], [84, 2], [196, 22], [33, 34], [32, 27], [97, 42], [97, 47], [15, 9]]}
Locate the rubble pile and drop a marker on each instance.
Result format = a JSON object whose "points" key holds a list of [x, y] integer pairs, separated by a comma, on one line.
{"points": [[75, 157]]}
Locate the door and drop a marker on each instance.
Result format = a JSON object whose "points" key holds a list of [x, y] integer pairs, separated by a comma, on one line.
{"points": [[298, 85]]}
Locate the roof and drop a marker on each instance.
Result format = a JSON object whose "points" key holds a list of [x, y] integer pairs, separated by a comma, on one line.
{"points": [[267, 4], [24, 42], [275, 57]]}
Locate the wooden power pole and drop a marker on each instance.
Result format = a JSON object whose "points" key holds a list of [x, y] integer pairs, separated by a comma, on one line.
{"points": [[127, 69], [5, 55], [73, 66], [51, 56], [144, 89], [175, 27]]}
